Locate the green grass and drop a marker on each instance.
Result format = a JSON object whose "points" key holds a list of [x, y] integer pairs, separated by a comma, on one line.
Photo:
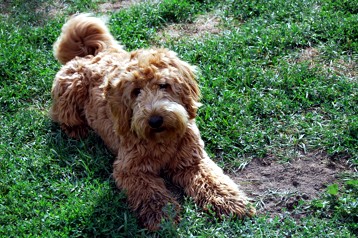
{"points": [[260, 98]]}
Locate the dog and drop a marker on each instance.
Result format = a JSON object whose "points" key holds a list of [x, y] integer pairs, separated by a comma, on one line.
{"points": [[143, 105]]}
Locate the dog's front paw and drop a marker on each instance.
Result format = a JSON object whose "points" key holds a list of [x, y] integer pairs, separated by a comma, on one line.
{"points": [[154, 214], [231, 206]]}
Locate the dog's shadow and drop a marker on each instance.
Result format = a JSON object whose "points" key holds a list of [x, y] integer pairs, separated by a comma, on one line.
{"points": [[89, 160]]}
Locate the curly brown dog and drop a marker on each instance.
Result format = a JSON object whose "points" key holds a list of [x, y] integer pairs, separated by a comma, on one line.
{"points": [[143, 105]]}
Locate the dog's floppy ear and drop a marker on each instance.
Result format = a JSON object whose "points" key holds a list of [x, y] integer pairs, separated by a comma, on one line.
{"points": [[114, 91], [190, 93]]}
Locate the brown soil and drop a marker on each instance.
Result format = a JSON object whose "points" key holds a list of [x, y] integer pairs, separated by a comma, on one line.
{"points": [[277, 187]]}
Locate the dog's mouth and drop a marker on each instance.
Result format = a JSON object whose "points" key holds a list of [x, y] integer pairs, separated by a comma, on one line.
{"points": [[158, 130]]}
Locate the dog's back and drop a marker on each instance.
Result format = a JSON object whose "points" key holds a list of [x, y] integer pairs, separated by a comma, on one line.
{"points": [[87, 50], [84, 35]]}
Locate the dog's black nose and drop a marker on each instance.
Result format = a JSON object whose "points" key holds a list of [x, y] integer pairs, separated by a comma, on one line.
{"points": [[155, 121]]}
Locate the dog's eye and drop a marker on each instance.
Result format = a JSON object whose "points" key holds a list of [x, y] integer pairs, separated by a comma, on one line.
{"points": [[163, 86], [136, 92]]}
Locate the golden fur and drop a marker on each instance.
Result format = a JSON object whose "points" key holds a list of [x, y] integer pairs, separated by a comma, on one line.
{"points": [[143, 105]]}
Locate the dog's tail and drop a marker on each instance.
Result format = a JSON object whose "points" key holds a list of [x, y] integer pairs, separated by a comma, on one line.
{"points": [[83, 35]]}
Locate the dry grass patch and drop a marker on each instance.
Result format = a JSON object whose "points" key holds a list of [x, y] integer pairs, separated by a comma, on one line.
{"points": [[203, 25], [308, 54], [346, 67], [114, 6]]}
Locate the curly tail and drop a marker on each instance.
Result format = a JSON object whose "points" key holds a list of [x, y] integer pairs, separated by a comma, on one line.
{"points": [[83, 35]]}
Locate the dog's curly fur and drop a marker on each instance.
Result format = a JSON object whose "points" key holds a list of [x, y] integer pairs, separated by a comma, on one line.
{"points": [[143, 105]]}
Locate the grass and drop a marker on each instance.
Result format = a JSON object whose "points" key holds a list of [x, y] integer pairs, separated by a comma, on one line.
{"points": [[261, 97]]}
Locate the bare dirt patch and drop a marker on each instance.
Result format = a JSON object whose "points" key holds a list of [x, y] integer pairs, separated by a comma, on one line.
{"points": [[277, 187]]}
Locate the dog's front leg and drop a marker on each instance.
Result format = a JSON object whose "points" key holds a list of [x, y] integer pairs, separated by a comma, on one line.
{"points": [[147, 194], [210, 188]]}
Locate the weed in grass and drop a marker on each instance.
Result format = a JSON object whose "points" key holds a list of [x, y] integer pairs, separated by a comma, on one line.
{"points": [[340, 203]]}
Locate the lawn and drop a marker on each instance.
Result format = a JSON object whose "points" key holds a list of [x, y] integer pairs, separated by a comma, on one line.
{"points": [[279, 83]]}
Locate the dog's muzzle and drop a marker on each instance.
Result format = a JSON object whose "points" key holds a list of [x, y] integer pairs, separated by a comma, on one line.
{"points": [[160, 120]]}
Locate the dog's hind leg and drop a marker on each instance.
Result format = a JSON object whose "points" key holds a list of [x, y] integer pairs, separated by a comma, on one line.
{"points": [[69, 93]]}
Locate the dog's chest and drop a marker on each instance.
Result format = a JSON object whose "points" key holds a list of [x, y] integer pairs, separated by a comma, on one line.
{"points": [[155, 155], [160, 153]]}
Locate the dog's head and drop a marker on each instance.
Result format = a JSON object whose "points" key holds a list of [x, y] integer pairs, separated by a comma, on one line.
{"points": [[154, 95]]}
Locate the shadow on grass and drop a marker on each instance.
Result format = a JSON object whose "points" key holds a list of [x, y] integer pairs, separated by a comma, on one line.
{"points": [[111, 217], [90, 164], [32, 12], [39, 12]]}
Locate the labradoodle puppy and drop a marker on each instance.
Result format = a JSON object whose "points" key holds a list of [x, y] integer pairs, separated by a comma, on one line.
{"points": [[143, 105]]}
